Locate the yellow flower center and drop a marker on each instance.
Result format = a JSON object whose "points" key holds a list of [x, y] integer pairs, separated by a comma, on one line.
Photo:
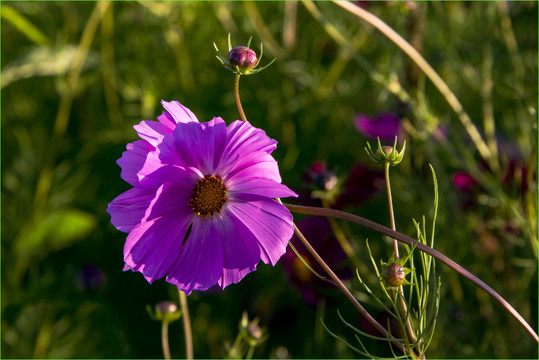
{"points": [[209, 196]]}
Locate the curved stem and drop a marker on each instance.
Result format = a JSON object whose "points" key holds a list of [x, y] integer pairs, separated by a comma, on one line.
{"points": [[307, 210], [444, 89], [164, 340], [186, 326], [345, 290], [237, 96]]}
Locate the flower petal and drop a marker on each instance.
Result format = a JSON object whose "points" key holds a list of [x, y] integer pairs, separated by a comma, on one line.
{"points": [[133, 160], [271, 224], [183, 177], [155, 244], [250, 188], [201, 144], [242, 137], [240, 249], [152, 131], [256, 164], [127, 210], [179, 113], [201, 261]]}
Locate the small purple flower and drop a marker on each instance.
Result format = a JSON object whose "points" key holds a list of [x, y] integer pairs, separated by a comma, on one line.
{"points": [[385, 126], [201, 210]]}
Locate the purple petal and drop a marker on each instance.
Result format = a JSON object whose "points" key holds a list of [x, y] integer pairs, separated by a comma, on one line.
{"points": [[271, 224], [154, 246], [200, 145], [127, 210], [201, 261], [250, 188], [240, 250], [153, 131], [256, 164], [243, 137], [133, 160], [182, 177], [178, 112]]}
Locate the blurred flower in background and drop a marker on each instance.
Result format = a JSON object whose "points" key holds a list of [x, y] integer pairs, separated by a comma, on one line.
{"points": [[385, 126], [320, 235]]}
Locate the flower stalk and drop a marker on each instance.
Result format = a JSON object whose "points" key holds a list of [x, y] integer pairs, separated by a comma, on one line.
{"points": [[186, 326], [237, 97], [164, 340], [308, 210]]}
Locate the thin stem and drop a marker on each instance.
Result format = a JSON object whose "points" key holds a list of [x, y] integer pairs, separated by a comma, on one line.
{"points": [[345, 290], [237, 96], [164, 339], [250, 352], [444, 89], [307, 210], [186, 326], [402, 304], [390, 205]]}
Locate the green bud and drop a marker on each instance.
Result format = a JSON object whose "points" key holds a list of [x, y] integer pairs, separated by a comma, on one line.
{"points": [[386, 154]]}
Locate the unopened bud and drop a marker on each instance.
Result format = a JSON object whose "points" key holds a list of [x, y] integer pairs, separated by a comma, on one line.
{"points": [[242, 57], [394, 275], [164, 311], [386, 154]]}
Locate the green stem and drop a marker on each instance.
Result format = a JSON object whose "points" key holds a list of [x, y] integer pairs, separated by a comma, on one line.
{"points": [[164, 339], [402, 304], [237, 96], [307, 210], [390, 205], [250, 352], [186, 326]]}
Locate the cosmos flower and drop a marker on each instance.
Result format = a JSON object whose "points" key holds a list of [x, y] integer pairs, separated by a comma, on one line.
{"points": [[201, 211]]}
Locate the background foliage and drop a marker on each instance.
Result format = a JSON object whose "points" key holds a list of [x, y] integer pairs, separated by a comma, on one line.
{"points": [[76, 76]]}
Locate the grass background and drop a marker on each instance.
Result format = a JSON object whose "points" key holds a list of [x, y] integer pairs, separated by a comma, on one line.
{"points": [[76, 76]]}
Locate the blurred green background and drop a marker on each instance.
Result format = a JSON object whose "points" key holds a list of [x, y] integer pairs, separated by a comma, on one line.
{"points": [[76, 76]]}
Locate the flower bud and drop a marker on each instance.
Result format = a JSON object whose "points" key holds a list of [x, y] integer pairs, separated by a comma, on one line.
{"points": [[386, 154], [252, 332], [386, 151], [164, 311], [241, 60], [394, 275], [242, 57]]}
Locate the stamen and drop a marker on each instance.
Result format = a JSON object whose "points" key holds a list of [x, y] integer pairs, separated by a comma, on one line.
{"points": [[209, 196]]}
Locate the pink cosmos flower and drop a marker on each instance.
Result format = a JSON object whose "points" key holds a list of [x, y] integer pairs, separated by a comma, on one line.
{"points": [[201, 210]]}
